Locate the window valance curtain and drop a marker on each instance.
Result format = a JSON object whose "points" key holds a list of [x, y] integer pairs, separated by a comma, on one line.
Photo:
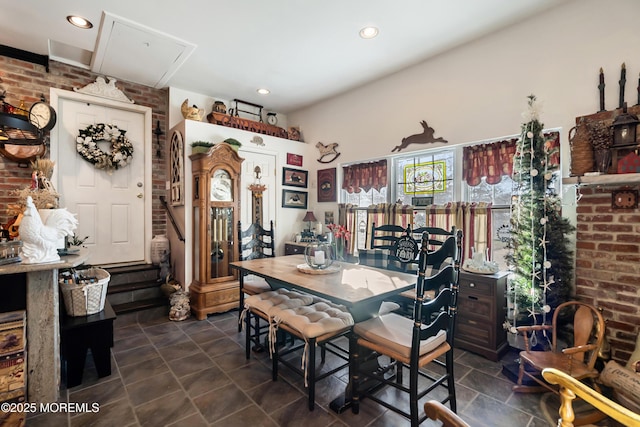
{"points": [[364, 176], [495, 159], [474, 219]]}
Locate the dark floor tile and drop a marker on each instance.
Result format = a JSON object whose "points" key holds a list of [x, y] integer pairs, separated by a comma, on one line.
{"points": [[160, 329], [102, 393], [273, 395], [178, 351], [190, 364], [164, 410], [250, 416], [194, 420], [237, 359], [206, 335], [135, 355], [141, 370], [221, 346], [48, 419], [127, 331], [221, 402], [130, 342], [174, 337], [152, 388], [485, 411], [484, 383], [118, 413], [250, 376], [297, 414], [204, 381]]}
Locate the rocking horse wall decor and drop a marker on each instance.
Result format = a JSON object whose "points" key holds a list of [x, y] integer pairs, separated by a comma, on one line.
{"points": [[328, 153], [426, 137]]}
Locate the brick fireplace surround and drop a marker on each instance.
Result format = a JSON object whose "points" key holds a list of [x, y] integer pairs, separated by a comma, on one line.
{"points": [[608, 264]]}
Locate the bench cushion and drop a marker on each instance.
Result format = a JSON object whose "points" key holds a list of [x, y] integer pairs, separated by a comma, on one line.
{"points": [[316, 320]]}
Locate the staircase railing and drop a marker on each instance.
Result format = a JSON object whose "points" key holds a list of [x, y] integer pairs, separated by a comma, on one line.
{"points": [[171, 218]]}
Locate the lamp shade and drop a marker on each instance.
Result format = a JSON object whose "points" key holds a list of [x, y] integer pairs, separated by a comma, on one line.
{"points": [[309, 216]]}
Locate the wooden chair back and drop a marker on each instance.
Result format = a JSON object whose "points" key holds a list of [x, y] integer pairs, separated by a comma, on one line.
{"points": [[434, 315], [437, 411], [256, 242], [588, 331]]}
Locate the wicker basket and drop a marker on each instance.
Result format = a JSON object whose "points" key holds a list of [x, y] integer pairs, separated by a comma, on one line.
{"points": [[85, 299], [581, 150]]}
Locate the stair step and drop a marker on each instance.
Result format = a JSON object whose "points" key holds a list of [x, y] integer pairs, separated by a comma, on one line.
{"points": [[129, 287], [129, 307], [133, 273]]}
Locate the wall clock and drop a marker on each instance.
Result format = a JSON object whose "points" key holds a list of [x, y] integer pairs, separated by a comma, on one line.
{"points": [[42, 115]]}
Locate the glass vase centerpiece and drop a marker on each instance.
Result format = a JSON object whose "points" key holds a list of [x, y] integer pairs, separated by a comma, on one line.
{"points": [[340, 236], [319, 255]]}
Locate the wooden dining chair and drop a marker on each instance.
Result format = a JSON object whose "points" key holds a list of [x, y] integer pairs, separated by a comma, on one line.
{"points": [[253, 243], [412, 343]]}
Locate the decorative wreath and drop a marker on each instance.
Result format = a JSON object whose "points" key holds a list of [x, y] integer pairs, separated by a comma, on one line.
{"points": [[121, 148]]}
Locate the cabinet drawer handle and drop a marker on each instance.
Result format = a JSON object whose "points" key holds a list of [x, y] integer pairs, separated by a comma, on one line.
{"points": [[472, 285], [472, 297], [473, 322]]}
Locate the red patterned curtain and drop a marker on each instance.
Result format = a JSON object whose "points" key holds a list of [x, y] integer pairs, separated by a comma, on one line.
{"points": [[365, 176], [495, 159], [491, 160]]}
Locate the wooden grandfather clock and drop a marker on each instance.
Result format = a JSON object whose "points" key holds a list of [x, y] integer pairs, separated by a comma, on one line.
{"points": [[216, 210]]}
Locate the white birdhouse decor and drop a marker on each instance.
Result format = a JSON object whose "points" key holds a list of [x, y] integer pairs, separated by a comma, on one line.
{"points": [[39, 240]]}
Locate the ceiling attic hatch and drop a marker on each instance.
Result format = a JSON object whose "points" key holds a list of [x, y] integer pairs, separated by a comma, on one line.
{"points": [[123, 46]]}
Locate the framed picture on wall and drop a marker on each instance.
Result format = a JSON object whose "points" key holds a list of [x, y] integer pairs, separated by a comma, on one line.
{"points": [[295, 177], [294, 199], [294, 159], [327, 185]]}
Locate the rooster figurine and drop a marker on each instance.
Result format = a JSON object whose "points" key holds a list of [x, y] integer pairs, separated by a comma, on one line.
{"points": [[38, 239]]}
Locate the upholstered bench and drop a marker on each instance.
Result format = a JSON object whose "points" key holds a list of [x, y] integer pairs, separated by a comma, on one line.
{"points": [[316, 325], [263, 304]]}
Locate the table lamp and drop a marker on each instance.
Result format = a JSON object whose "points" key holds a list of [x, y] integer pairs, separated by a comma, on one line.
{"points": [[307, 235]]}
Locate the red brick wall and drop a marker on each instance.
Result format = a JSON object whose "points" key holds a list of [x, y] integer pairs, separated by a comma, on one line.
{"points": [[25, 81], [608, 265]]}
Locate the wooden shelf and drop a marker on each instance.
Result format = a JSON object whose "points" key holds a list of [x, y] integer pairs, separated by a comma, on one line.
{"points": [[606, 179]]}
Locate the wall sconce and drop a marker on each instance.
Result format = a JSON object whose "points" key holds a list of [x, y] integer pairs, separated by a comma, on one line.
{"points": [[158, 132]]}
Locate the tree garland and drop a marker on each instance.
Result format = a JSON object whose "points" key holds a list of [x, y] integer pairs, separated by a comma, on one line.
{"points": [[121, 148]]}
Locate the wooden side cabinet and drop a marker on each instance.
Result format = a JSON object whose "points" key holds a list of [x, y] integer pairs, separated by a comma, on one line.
{"points": [[481, 313], [216, 209], [291, 248]]}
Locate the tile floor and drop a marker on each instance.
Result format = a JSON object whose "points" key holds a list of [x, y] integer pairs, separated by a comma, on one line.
{"points": [[194, 373]]}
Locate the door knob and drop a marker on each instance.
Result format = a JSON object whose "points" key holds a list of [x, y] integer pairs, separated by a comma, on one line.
{"points": [[140, 196]]}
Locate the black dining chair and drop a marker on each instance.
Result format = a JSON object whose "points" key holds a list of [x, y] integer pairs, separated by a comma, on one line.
{"points": [[254, 242], [412, 343]]}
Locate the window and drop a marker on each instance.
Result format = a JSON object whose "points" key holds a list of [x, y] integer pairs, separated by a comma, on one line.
{"points": [[424, 179], [499, 195]]}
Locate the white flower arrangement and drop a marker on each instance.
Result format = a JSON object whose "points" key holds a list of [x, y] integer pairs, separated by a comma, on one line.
{"points": [[121, 148]]}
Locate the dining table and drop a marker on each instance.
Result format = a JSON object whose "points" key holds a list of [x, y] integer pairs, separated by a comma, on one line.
{"points": [[360, 288]]}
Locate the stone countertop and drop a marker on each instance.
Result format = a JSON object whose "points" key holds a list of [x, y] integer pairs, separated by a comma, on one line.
{"points": [[66, 261]]}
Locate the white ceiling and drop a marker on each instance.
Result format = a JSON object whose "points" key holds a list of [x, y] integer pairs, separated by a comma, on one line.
{"points": [[303, 51]]}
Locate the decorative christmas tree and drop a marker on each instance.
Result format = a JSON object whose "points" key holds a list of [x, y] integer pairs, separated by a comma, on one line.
{"points": [[539, 256]]}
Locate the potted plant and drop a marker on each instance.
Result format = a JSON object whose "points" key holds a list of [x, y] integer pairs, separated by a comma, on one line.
{"points": [[234, 143], [201, 146]]}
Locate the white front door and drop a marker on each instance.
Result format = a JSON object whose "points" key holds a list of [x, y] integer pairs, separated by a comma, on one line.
{"points": [[111, 207], [267, 164]]}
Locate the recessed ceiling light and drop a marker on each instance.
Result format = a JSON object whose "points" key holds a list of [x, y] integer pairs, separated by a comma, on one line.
{"points": [[368, 32], [264, 91], [79, 21]]}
